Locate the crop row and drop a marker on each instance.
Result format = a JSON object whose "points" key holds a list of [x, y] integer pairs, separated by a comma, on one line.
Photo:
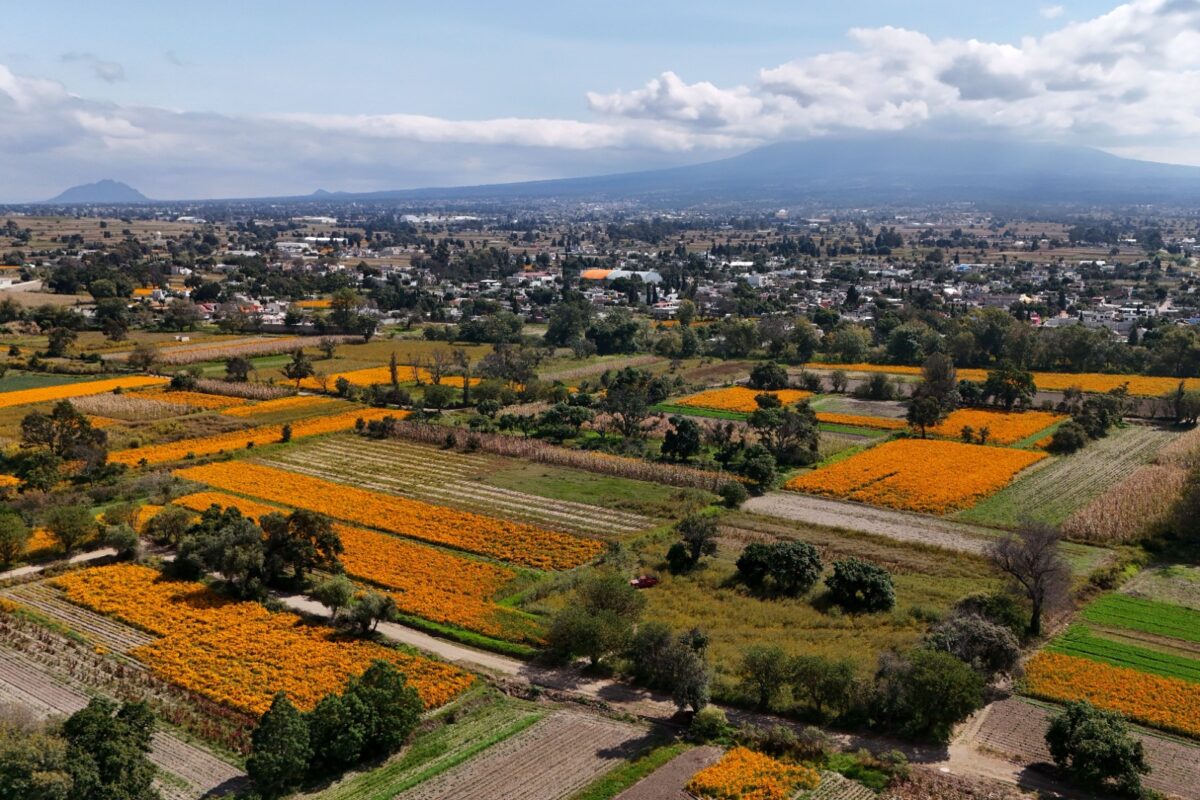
{"points": [[1148, 616], [1080, 641], [514, 542], [46, 394], [1139, 385]]}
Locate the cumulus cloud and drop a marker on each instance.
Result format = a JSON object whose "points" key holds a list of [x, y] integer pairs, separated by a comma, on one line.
{"points": [[107, 71], [1126, 81], [1052, 12]]}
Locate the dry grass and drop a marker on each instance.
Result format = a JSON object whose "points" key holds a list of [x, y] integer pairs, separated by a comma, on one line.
{"points": [[248, 391], [126, 407], [1130, 509], [1184, 451]]}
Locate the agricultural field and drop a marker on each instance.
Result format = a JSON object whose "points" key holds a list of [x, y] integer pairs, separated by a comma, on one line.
{"points": [[924, 475], [738, 399], [569, 749], [239, 653], [353, 355], [1175, 584], [1137, 656], [514, 542], [480, 483], [1003, 427], [1052, 491], [48, 393]]}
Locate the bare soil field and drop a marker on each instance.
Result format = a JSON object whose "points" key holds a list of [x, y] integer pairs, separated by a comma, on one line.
{"points": [[570, 374], [550, 761], [1176, 584], [668, 781], [195, 772], [1016, 729], [96, 628]]}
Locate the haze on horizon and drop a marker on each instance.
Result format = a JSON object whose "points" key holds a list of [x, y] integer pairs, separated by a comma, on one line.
{"points": [[227, 100]]}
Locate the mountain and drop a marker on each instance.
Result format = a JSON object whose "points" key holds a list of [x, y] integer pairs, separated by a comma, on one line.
{"points": [[869, 170], [103, 192]]}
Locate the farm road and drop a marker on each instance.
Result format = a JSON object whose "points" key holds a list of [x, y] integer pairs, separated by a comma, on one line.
{"points": [[898, 525]]}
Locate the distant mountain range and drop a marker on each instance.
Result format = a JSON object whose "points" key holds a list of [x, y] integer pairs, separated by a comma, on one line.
{"points": [[846, 172], [867, 171], [101, 192]]}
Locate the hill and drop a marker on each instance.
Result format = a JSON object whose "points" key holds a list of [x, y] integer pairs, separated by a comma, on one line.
{"points": [[105, 191]]}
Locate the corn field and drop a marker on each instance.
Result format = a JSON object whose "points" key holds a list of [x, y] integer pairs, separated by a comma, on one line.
{"points": [[1184, 451], [250, 391], [125, 407], [1129, 510], [541, 452]]}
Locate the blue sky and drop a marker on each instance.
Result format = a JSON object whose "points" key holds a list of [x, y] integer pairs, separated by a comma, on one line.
{"points": [[223, 98]]}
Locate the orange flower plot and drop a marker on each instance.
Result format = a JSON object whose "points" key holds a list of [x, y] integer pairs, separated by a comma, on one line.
{"points": [[1096, 382], [237, 440], [928, 475], [743, 774], [47, 394], [321, 302], [9, 480], [862, 421], [738, 398], [298, 402], [514, 542], [193, 399], [239, 653], [1167, 703], [426, 582], [383, 375], [1004, 427]]}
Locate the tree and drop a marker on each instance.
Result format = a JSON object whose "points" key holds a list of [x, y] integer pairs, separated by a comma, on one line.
{"points": [[789, 434], [335, 593], [299, 368], [302, 541], [600, 620], [279, 749], [698, 535], [337, 731], [14, 536], [238, 369], [662, 660], [59, 341], [1010, 385], [628, 397], [1031, 560], [1067, 438], [925, 693], [438, 396], [758, 466], [1095, 748], [33, 759], [923, 413], [70, 525], [64, 431], [393, 705], [989, 648], [763, 672], [107, 751], [830, 687], [754, 563], [169, 525], [368, 609], [682, 441], [858, 585], [794, 567], [768, 376]]}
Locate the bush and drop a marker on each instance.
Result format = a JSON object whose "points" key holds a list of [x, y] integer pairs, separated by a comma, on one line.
{"points": [[709, 725], [1069, 437], [1096, 750], [733, 494], [754, 564], [989, 648], [924, 694], [795, 567], [858, 585], [1000, 608], [123, 539]]}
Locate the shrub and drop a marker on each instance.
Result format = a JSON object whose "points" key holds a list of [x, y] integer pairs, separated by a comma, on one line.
{"points": [[858, 585], [989, 648], [795, 567], [123, 539], [709, 725], [1000, 608], [925, 693], [754, 564], [733, 494], [1069, 437]]}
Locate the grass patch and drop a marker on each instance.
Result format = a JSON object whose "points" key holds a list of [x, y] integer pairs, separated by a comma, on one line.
{"points": [[561, 483], [1079, 640], [14, 381], [458, 734], [833, 427], [1147, 616], [626, 775], [693, 411], [464, 636]]}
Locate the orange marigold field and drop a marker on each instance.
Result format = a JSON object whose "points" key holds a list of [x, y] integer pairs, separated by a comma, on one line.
{"points": [[9, 480], [104, 422], [743, 774], [862, 421], [383, 375], [281, 404], [426, 582], [927, 475], [1168, 703], [738, 398], [514, 542], [239, 653], [1139, 385], [67, 390], [237, 440], [192, 399], [1004, 427], [321, 302]]}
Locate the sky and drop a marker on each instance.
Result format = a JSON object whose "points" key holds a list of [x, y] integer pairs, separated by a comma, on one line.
{"points": [[259, 98]]}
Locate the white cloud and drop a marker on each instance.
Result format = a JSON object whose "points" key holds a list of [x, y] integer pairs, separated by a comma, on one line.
{"points": [[1126, 81], [1052, 12]]}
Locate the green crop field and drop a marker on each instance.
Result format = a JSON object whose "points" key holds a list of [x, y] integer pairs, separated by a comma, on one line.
{"points": [[1080, 641], [1052, 492], [1148, 616]]}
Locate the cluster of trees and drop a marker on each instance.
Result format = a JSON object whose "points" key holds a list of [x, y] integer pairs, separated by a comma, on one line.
{"points": [[50, 440], [372, 718], [100, 752], [1092, 416]]}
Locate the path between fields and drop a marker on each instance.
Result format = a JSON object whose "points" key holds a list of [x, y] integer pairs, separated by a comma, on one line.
{"points": [[78, 558], [898, 525], [960, 758]]}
